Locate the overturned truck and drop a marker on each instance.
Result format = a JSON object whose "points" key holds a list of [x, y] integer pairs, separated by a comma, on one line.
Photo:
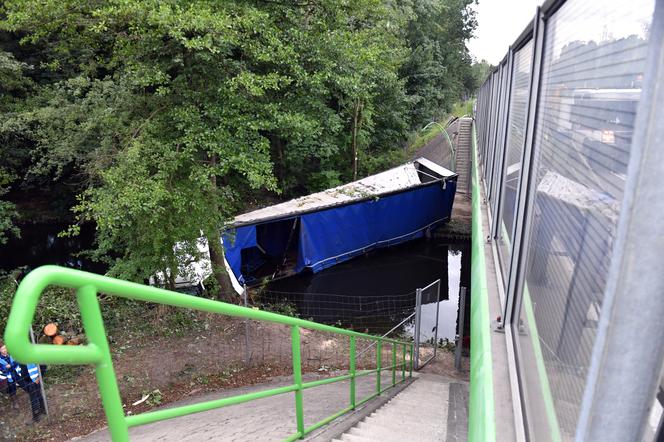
{"points": [[317, 231]]}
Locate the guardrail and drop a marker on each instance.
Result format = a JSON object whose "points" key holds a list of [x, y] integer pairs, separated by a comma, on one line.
{"points": [[97, 351], [481, 411]]}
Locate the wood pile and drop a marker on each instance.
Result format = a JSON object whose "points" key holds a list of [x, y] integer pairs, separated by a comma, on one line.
{"points": [[52, 335]]}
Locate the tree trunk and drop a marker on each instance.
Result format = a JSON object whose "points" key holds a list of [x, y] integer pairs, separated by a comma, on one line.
{"points": [[226, 291], [356, 112], [357, 121]]}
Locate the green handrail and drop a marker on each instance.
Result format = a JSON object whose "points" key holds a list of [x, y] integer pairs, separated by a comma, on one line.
{"points": [[97, 351], [481, 410]]}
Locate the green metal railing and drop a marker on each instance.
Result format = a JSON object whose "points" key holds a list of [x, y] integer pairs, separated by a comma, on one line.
{"points": [[97, 351], [481, 410]]}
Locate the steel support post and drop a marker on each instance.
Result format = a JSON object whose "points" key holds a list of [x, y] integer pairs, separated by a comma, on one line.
{"points": [[524, 197], [462, 315], [247, 350], [394, 364], [379, 350], [297, 379], [418, 318], [352, 370], [435, 341], [403, 365]]}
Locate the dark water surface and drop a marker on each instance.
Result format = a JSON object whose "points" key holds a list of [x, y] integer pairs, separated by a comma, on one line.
{"points": [[40, 244], [375, 292], [371, 293]]}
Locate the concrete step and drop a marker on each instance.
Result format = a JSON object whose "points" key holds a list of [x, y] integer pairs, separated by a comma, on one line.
{"points": [[419, 413]]}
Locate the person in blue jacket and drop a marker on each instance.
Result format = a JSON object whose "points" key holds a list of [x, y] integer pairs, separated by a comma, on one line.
{"points": [[25, 377]]}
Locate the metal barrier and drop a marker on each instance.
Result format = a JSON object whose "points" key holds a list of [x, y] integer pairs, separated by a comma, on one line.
{"points": [[567, 124], [434, 287], [98, 353]]}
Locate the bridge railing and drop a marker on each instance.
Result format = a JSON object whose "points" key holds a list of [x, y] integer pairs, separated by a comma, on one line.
{"points": [[97, 351], [569, 152]]}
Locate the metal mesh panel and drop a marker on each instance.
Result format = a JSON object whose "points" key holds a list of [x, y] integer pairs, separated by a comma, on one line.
{"points": [[516, 133], [592, 69], [428, 323]]}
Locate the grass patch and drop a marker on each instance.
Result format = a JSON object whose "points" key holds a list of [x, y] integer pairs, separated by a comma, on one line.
{"points": [[463, 108]]}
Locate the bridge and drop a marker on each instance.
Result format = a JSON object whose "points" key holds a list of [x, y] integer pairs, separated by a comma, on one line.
{"points": [[567, 245]]}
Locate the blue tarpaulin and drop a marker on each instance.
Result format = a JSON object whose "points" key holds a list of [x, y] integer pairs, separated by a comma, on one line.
{"points": [[235, 241], [333, 235]]}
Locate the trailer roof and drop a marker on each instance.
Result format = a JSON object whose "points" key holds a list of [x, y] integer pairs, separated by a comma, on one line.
{"points": [[409, 175]]}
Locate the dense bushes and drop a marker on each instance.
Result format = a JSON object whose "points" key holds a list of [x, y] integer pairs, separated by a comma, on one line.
{"points": [[166, 118]]}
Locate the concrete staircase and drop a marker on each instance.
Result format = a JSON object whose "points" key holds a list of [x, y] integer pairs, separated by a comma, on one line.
{"points": [[419, 413], [463, 157]]}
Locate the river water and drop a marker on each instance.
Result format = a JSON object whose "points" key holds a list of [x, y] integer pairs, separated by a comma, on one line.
{"points": [[371, 293], [375, 292], [41, 244]]}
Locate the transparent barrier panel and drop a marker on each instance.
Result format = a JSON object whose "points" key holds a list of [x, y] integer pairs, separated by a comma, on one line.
{"points": [[516, 135], [594, 56]]}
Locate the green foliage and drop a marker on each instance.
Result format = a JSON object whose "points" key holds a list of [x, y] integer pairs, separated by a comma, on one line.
{"points": [[283, 308], [462, 108], [480, 71], [56, 304], [7, 210], [155, 398], [164, 117], [438, 69]]}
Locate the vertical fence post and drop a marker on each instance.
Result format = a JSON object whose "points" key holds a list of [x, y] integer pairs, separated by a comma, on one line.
{"points": [[394, 364], [108, 387], [42, 388], [435, 342], [379, 350], [403, 363], [247, 351], [297, 379], [462, 316], [411, 360], [418, 318], [352, 372]]}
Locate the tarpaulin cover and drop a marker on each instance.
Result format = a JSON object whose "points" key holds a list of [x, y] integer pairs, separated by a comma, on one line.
{"points": [[334, 235], [273, 237], [234, 241]]}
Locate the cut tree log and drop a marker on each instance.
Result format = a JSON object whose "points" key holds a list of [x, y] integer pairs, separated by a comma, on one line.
{"points": [[73, 341], [51, 329], [59, 340], [45, 340]]}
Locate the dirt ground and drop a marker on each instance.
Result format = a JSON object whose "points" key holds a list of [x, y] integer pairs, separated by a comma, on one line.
{"points": [[169, 368]]}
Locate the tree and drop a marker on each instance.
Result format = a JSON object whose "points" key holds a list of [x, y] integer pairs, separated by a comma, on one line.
{"points": [[439, 64], [164, 118]]}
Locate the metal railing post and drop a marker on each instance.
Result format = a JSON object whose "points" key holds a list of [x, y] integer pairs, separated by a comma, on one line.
{"points": [[403, 363], [394, 364], [462, 316], [42, 387], [435, 342], [247, 351], [411, 360], [297, 379], [418, 318], [352, 372], [108, 387], [379, 349]]}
